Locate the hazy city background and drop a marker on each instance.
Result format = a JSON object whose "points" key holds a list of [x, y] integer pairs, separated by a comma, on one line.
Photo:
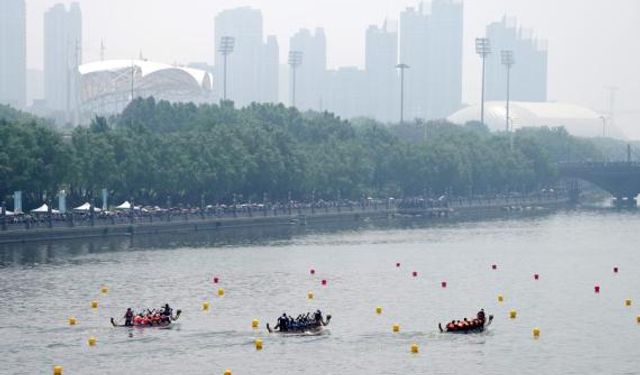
{"points": [[589, 45]]}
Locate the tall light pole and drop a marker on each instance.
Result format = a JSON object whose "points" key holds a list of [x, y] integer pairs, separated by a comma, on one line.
{"points": [[506, 57], [483, 48], [225, 48], [604, 124], [402, 68], [295, 60]]}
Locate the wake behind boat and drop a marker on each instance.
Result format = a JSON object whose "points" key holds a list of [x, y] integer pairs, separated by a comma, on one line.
{"points": [[477, 325], [304, 324], [162, 317]]}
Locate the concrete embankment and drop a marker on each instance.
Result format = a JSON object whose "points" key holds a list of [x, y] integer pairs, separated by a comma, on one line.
{"points": [[319, 217]]}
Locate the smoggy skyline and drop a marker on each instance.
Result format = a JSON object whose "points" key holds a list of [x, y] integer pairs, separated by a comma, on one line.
{"points": [[589, 42]]}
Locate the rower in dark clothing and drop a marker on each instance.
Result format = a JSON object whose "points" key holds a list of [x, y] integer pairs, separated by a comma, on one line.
{"points": [[166, 312], [128, 318], [283, 323], [481, 315]]}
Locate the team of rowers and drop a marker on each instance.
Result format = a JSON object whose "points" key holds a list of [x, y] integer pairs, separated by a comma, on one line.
{"points": [[301, 322], [465, 324], [148, 317]]}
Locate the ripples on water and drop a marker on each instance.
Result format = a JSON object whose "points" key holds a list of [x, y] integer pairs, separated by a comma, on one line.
{"points": [[265, 272]]}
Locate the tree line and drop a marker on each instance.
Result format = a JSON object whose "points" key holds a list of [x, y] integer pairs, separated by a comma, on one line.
{"points": [[154, 151]]}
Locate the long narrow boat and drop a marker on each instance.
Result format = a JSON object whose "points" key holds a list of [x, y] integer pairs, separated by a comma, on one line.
{"points": [[312, 329], [470, 329], [162, 324]]}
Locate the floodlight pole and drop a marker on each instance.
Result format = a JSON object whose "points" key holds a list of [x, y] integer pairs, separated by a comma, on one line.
{"points": [[227, 44], [295, 60], [508, 61], [483, 48], [402, 68]]}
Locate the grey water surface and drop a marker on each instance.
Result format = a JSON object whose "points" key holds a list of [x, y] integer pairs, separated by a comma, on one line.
{"points": [[267, 273]]}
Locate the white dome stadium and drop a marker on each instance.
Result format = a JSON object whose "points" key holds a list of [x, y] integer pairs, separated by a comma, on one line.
{"points": [[108, 86], [578, 121]]}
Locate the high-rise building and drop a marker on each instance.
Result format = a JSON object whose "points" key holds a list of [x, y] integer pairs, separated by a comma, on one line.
{"points": [[251, 71], [431, 44], [346, 92], [311, 74], [62, 57], [381, 58], [528, 77], [13, 53]]}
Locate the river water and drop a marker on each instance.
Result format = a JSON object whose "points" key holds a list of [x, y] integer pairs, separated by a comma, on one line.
{"points": [[265, 273]]}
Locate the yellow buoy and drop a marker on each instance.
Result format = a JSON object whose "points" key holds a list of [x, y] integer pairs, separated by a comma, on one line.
{"points": [[638, 319], [227, 372], [310, 295], [57, 370], [414, 348], [220, 292], [255, 323], [512, 314], [73, 321], [91, 341], [627, 302], [94, 304], [395, 327], [258, 344], [205, 306], [104, 290], [378, 310], [500, 298], [536, 332]]}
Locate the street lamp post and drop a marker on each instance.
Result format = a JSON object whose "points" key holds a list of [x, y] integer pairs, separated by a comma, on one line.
{"points": [[483, 48], [402, 68], [227, 44], [295, 60], [507, 60], [604, 124]]}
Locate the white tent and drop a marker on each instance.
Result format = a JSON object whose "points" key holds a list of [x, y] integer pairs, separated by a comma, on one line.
{"points": [[86, 208], [43, 210], [124, 206], [8, 213]]}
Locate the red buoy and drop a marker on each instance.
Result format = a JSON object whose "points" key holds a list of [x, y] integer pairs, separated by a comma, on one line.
{"points": [[414, 273], [615, 269], [397, 265], [494, 266], [215, 280], [536, 276], [444, 284], [596, 288], [324, 282], [312, 271]]}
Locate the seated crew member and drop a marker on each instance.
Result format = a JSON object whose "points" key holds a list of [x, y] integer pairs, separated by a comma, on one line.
{"points": [[128, 318], [166, 313], [481, 315], [283, 323], [451, 326]]}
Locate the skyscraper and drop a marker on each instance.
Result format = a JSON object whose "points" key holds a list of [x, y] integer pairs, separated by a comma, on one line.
{"points": [[431, 44], [528, 75], [251, 71], [12, 53], [62, 56], [381, 58], [346, 92], [311, 74]]}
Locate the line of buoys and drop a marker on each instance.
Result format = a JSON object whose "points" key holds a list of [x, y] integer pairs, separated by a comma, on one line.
{"points": [[91, 341], [414, 348], [310, 295], [494, 266], [379, 310], [500, 298], [395, 327], [220, 292], [205, 306], [312, 271], [536, 332], [513, 313], [324, 282], [94, 304], [73, 321], [414, 274], [443, 284], [215, 279], [596, 289], [104, 290], [255, 323], [627, 302], [57, 370], [258, 343], [615, 269]]}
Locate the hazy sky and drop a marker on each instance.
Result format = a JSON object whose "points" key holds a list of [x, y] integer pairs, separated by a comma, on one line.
{"points": [[592, 43]]}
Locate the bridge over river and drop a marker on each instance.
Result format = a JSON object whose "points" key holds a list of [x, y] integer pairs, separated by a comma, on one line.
{"points": [[620, 179]]}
